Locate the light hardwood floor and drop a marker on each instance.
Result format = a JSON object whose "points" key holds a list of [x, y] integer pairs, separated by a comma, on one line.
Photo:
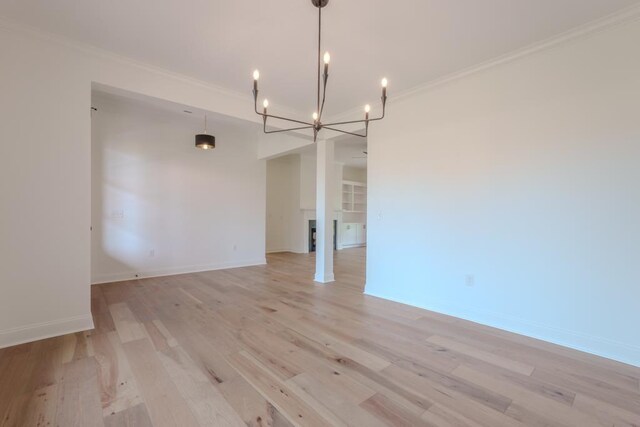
{"points": [[265, 346]]}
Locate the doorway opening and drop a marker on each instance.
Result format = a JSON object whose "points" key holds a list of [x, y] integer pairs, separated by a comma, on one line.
{"points": [[291, 210]]}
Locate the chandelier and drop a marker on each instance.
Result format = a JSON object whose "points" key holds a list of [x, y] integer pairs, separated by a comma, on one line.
{"points": [[323, 76]]}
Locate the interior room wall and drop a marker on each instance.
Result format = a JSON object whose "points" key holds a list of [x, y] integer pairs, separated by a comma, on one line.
{"points": [[45, 173], [351, 173], [291, 200], [284, 217], [308, 181], [159, 205], [510, 196]]}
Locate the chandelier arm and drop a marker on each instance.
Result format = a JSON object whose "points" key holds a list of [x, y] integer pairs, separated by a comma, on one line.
{"points": [[348, 133], [349, 122], [324, 94], [266, 116], [286, 130], [285, 119], [375, 119]]}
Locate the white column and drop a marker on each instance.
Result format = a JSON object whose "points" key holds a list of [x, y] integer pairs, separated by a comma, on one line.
{"points": [[324, 211]]}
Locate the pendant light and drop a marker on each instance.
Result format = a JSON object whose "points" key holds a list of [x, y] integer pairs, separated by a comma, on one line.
{"points": [[204, 141]]}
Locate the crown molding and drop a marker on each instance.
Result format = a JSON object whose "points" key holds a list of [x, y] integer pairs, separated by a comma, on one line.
{"points": [[30, 31], [608, 22]]}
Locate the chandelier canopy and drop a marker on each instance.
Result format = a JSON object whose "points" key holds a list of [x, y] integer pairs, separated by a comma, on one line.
{"points": [[323, 76]]}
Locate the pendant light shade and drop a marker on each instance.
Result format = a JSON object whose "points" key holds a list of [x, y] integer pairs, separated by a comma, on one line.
{"points": [[204, 141]]}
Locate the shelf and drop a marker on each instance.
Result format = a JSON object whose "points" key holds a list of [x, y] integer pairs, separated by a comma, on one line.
{"points": [[354, 197]]}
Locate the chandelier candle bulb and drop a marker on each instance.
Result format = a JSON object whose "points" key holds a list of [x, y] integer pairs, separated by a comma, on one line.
{"points": [[327, 59], [367, 108], [315, 117], [265, 104], [256, 77]]}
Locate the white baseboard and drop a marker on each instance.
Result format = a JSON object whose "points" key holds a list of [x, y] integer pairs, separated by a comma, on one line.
{"points": [[599, 346], [277, 251], [324, 279], [292, 250], [133, 275], [39, 331], [357, 245]]}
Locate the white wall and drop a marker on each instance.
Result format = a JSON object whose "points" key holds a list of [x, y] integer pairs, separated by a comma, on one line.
{"points": [[45, 175], [291, 200], [350, 173], [159, 205], [524, 175], [308, 182], [285, 226]]}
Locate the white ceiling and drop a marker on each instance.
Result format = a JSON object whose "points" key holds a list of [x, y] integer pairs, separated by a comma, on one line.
{"points": [[409, 41], [102, 96], [349, 151]]}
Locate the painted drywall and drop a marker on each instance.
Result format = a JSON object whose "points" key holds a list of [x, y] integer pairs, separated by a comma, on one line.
{"points": [[308, 182], [45, 174], [351, 173], [291, 193], [160, 206], [280, 144], [285, 225], [308, 178], [510, 196]]}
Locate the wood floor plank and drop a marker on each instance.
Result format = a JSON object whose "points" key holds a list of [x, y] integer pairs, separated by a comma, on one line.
{"points": [[252, 407], [267, 346], [526, 399], [205, 353], [206, 402], [128, 327], [165, 404], [588, 386], [42, 407], [340, 347], [481, 409], [389, 412], [606, 413], [307, 397], [332, 373], [79, 396], [136, 416], [298, 412], [442, 416], [335, 401], [102, 320], [514, 365], [119, 390], [171, 341]]}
